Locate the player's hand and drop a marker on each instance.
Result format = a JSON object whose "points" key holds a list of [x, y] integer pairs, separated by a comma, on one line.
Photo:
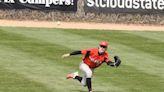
{"points": [[66, 55], [117, 61]]}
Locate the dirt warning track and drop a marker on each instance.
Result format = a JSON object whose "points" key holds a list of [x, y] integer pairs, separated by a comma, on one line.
{"points": [[80, 25]]}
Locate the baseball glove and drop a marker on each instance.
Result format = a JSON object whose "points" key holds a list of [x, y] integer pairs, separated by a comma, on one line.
{"points": [[117, 61]]}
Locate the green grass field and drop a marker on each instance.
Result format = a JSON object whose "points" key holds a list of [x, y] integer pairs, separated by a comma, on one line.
{"points": [[30, 60]]}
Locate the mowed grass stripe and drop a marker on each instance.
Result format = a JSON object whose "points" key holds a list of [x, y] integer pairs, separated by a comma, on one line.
{"points": [[130, 79], [137, 42], [41, 69], [136, 59], [122, 44], [159, 36], [131, 56], [12, 82], [37, 69], [25, 59], [55, 36], [26, 44], [147, 81]]}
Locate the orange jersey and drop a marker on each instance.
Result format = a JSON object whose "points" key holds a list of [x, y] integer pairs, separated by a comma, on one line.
{"points": [[93, 59]]}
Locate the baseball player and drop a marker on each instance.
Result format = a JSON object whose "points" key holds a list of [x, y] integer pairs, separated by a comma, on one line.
{"points": [[93, 58]]}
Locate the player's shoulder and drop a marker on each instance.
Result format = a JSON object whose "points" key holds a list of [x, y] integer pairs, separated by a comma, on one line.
{"points": [[92, 49], [106, 54]]}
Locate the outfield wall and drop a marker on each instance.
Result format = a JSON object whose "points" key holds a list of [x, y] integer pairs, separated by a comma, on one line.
{"points": [[81, 15]]}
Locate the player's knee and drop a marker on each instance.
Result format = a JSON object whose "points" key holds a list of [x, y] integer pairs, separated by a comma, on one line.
{"points": [[83, 82], [89, 74]]}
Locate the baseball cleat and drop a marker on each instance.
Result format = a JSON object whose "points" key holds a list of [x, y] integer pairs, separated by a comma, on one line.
{"points": [[72, 75]]}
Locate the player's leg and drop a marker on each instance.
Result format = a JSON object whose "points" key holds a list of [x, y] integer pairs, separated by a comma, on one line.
{"points": [[88, 74], [86, 79], [83, 81], [72, 75], [79, 78]]}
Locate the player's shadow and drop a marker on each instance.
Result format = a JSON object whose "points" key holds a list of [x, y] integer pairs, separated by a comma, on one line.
{"points": [[84, 91]]}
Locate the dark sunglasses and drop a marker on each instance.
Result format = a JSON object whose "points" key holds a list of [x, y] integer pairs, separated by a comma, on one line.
{"points": [[103, 46]]}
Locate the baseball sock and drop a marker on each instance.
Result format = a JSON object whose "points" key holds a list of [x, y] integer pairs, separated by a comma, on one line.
{"points": [[78, 78], [89, 85]]}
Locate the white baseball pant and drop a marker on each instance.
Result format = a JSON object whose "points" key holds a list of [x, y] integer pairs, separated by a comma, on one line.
{"points": [[87, 72]]}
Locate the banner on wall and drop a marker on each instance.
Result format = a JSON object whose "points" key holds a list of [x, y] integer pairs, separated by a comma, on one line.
{"points": [[124, 6], [63, 5]]}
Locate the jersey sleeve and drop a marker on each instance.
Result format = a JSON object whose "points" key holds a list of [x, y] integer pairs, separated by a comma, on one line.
{"points": [[75, 53], [107, 58]]}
